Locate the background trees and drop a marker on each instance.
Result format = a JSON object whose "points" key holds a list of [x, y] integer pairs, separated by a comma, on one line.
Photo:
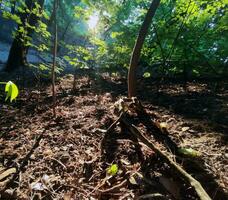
{"points": [[186, 39], [28, 14]]}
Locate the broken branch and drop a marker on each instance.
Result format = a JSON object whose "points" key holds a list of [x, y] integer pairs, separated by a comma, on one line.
{"points": [[186, 176]]}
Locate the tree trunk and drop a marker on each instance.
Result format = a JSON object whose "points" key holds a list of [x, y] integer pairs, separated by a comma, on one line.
{"points": [[17, 55], [54, 56], [63, 36], [13, 6], [18, 50], [138, 46]]}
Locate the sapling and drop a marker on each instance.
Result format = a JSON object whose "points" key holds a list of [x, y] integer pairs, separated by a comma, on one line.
{"points": [[54, 57]]}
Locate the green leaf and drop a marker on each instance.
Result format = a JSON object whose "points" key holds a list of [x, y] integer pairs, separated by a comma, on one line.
{"points": [[11, 90], [189, 152], [43, 67], [116, 34], [146, 75], [113, 169]]}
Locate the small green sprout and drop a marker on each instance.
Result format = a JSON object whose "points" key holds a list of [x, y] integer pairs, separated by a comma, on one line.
{"points": [[112, 170]]}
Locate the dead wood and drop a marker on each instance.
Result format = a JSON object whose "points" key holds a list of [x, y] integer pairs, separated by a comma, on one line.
{"points": [[160, 132], [186, 176], [110, 128]]}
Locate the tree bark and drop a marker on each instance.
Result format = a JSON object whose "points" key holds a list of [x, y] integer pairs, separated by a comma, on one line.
{"points": [[138, 46], [18, 50]]}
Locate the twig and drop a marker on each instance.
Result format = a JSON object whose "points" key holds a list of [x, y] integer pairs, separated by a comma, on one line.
{"points": [[155, 195], [110, 128], [115, 187], [64, 166], [24, 162], [186, 176]]}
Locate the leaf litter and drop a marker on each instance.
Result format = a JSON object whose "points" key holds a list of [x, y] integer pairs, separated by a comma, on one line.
{"points": [[68, 163]]}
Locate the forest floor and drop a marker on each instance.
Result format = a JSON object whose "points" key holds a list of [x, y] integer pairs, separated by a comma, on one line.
{"points": [[67, 162]]}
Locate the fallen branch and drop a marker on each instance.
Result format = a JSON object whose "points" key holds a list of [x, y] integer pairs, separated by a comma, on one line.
{"points": [[160, 132], [187, 177], [114, 188], [7, 173], [110, 128]]}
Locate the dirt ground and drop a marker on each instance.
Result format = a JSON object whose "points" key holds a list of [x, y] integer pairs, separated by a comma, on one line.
{"points": [[67, 162]]}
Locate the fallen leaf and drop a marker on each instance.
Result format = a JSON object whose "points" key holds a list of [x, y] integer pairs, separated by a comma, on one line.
{"points": [[47, 152], [67, 196], [46, 179], [163, 125], [185, 128], [38, 186], [136, 178], [125, 162], [132, 180]]}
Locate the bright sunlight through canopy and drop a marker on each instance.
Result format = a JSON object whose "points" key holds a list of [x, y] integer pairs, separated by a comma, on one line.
{"points": [[93, 20]]}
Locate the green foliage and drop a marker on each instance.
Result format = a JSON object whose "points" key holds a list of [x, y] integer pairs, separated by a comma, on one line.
{"points": [[78, 56], [11, 90], [14, 17], [184, 33], [146, 75], [40, 28], [116, 34]]}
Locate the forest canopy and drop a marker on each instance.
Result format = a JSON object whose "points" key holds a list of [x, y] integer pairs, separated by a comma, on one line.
{"points": [[186, 38]]}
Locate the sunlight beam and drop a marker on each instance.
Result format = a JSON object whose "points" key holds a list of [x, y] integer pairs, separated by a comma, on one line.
{"points": [[93, 21]]}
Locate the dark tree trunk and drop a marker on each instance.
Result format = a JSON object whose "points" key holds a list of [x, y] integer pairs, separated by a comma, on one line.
{"points": [[63, 36], [17, 55], [138, 46], [18, 50], [13, 7]]}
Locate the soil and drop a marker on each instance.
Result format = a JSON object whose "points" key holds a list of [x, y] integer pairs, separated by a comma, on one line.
{"points": [[67, 161]]}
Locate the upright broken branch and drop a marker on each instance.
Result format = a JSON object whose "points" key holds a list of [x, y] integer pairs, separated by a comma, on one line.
{"points": [[138, 47]]}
